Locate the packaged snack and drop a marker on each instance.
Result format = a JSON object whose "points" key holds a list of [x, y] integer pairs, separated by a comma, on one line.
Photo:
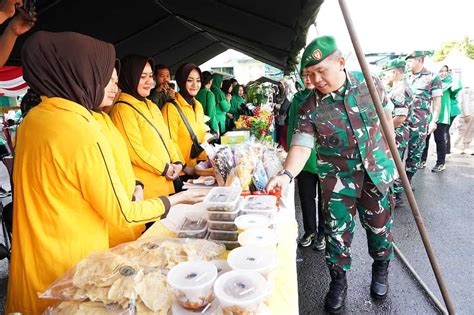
{"points": [[223, 199]]}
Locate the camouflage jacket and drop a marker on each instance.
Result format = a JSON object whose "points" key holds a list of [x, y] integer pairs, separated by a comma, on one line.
{"points": [[402, 97], [425, 85], [347, 133]]}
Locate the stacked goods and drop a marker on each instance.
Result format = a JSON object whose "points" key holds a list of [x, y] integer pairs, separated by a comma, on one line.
{"points": [[131, 276]]}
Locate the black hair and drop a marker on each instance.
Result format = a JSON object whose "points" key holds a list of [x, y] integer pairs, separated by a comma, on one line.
{"points": [[206, 78], [160, 67], [226, 84], [29, 100], [233, 80]]}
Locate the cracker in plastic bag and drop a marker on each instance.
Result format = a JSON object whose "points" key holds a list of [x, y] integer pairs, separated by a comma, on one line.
{"points": [[154, 293]]}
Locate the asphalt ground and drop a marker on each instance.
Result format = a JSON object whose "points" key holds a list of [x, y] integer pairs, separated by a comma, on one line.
{"points": [[446, 202]]}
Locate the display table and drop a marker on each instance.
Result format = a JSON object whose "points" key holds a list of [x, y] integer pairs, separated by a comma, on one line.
{"points": [[284, 298]]}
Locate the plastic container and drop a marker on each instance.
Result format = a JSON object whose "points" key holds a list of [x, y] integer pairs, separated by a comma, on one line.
{"points": [[222, 266], [260, 204], [223, 235], [248, 221], [210, 309], [222, 226], [223, 199], [229, 245], [258, 237], [192, 225], [192, 283], [252, 258], [240, 292], [223, 216]]}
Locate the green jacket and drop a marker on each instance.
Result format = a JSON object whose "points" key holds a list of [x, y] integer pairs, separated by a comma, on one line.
{"points": [[346, 131], [222, 105], [235, 102], [208, 102], [311, 165]]}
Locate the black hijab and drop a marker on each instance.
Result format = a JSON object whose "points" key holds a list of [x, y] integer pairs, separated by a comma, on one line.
{"points": [[182, 75], [131, 70], [69, 65], [226, 84]]}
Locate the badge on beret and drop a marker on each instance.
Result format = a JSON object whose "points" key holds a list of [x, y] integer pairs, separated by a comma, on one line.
{"points": [[317, 54]]}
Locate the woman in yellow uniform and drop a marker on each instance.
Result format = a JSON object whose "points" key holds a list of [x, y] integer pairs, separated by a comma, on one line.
{"points": [[155, 159], [66, 188], [133, 187], [188, 76]]}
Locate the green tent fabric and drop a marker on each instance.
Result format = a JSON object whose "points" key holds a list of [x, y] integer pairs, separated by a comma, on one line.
{"points": [[222, 105], [235, 102], [311, 165], [208, 101]]}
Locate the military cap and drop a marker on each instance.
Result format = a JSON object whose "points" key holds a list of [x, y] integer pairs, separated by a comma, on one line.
{"points": [[419, 53], [395, 63], [318, 50]]}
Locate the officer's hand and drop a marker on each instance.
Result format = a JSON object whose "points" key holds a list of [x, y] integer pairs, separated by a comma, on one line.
{"points": [[432, 127], [277, 181]]}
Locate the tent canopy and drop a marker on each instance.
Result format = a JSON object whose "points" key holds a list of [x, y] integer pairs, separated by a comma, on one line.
{"points": [[173, 32]]}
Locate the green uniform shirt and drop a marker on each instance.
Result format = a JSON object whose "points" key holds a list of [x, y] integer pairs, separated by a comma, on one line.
{"points": [[348, 136], [425, 85], [311, 165], [208, 101]]}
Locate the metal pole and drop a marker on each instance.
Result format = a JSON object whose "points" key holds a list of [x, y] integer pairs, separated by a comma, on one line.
{"points": [[420, 281], [398, 162]]}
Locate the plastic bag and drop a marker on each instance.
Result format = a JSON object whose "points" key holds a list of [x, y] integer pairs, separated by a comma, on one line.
{"points": [[134, 271]]}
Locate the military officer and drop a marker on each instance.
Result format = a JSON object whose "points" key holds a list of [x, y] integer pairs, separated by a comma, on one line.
{"points": [[427, 88], [354, 164], [401, 96]]}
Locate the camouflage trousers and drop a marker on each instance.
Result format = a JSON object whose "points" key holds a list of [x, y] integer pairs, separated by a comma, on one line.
{"points": [[402, 134], [375, 214], [418, 125]]}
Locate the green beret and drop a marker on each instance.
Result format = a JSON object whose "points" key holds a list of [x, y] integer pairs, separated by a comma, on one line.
{"points": [[395, 63], [419, 53], [318, 50]]}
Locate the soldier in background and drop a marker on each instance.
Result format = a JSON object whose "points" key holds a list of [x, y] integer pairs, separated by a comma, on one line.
{"points": [[427, 88], [402, 98], [354, 165]]}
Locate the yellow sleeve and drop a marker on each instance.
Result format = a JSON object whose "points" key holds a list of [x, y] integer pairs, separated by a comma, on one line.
{"points": [[125, 119], [202, 130], [101, 187], [172, 121]]}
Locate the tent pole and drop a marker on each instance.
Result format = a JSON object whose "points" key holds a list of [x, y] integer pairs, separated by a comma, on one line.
{"points": [[398, 162]]}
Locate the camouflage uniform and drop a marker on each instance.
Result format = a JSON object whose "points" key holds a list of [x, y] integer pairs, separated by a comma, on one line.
{"points": [[355, 167], [402, 97], [425, 85]]}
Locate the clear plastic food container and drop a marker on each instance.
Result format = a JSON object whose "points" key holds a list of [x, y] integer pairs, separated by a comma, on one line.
{"points": [[223, 199], [222, 266], [252, 258], [241, 292], [260, 204], [193, 225], [248, 221], [259, 237], [229, 245], [192, 283], [223, 216], [223, 235], [222, 226]]}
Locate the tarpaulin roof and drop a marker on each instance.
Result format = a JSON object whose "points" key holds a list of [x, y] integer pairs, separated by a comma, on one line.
{"points": [[174, 31]]}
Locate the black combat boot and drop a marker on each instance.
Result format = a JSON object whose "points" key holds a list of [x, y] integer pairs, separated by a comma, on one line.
{"points": [[336, 295], [379, 285]]}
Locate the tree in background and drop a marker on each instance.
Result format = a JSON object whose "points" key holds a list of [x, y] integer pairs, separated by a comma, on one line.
{"points": [[465, 46]]}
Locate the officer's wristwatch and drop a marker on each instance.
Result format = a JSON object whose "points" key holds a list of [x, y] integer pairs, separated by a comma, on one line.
{"points": [[287, 173]]}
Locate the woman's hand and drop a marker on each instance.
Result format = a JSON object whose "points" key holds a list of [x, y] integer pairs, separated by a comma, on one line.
{"points": [[138, 193], [190, 196], [190, 170], [228, 97]]}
